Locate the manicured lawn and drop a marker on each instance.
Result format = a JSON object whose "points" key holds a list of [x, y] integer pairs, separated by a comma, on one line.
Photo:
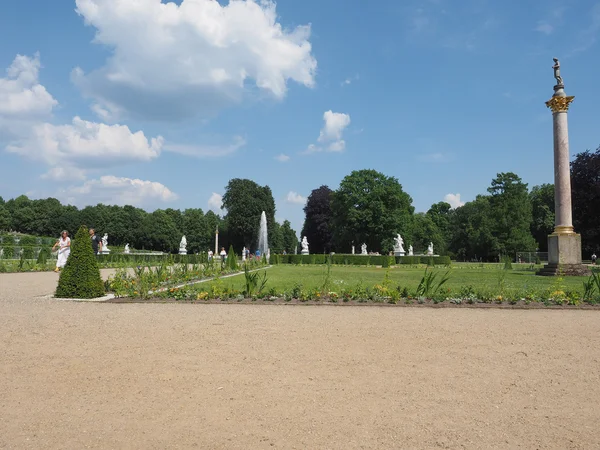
{"points": [[488, 277]]}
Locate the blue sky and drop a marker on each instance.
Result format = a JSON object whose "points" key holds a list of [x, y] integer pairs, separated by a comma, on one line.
{"points": [[159, 106]]}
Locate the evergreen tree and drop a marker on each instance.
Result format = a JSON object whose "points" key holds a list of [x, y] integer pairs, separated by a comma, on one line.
{"points": [[585, 182], [81, 276], [512, 214], [317, 220]]}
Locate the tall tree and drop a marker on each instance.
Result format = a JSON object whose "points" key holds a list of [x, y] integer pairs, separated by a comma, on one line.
{"points": [[317, 220], [472, 234], [512, 213], [585, 182], [5, 219], [289, 237], [160, 232], [194, 228], [370, 207], [441, 214], [244, 201], [542, 204], [425, 231], [276, 241]]}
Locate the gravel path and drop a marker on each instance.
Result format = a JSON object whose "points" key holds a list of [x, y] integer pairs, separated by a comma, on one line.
{"points": [[93, 375]]}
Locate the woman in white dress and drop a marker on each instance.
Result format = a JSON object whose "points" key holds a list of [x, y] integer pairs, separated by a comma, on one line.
{"points": [[64, 249]]}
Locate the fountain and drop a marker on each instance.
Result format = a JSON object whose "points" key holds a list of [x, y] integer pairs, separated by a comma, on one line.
{"points": [[263, 240]]}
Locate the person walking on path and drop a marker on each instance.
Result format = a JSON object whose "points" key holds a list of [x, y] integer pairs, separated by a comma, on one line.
{"points": [[96, 242], [64, 249]]}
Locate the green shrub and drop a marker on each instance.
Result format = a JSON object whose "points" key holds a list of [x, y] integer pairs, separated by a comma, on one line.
{"points": [[43, 255], [231, 259], [81, 276]]}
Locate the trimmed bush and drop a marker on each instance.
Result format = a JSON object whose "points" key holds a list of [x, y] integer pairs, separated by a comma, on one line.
{"points": [[364, 260], [81, 276], [231, 259], [43, 255]]}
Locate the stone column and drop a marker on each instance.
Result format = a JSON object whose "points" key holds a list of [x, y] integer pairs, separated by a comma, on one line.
{"points": [[564, 245], [217, 243]]}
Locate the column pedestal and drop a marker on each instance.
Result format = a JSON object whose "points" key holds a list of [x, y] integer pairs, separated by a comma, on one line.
{"points": [[564, 256], [564, 245]]}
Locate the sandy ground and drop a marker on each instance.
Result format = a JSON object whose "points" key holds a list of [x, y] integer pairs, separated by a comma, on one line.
{"points": [[94, 375]]}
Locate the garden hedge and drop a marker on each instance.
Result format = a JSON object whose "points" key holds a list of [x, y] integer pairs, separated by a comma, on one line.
{"points": [[141, 258], [80, 277], [362, 260]]}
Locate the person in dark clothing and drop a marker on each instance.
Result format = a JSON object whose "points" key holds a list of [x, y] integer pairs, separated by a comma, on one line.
{"points": [[96, 242]]}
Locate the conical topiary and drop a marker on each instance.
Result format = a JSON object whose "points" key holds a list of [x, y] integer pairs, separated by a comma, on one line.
{"points": [[80, 277], [231, 259]]}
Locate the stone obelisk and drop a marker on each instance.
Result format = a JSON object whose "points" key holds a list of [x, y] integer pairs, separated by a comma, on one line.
{"points": [[564, 245]]}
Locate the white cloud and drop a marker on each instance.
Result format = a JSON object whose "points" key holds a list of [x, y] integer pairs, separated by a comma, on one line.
{"points": [[21, 94], [171, 61], [454, 200], [207, 151], [312, 148], [282, 158], [337, 146], [331, 134], [215, 202], [435, 157], [294, 197], [64, 173], [335, 124], [84, 142], [544, 27], [118, 191]]}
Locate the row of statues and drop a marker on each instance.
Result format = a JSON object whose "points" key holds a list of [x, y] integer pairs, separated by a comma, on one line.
{"points": [[398, 247]]}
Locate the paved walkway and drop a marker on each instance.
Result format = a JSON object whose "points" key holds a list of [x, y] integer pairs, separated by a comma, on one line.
{"points": [[151, 376]]}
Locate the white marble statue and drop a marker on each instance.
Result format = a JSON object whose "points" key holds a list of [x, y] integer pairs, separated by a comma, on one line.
{"points": [[363, 249], [304, 246], [430, 249], [268, 255], [399, 245], [353, 251], [410, 250], [126, 251], [1, 253], [244, 254], [105, 248], [183, 246]]}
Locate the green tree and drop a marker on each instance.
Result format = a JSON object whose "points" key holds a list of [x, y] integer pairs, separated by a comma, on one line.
{"points": [[585, 182], [318, 218], [289, 237], [160, 232], [5, 219], [370, 207], [276, 239], [472, 237], [512, 214], [67, 219], [213, 222], [425, 231], [542, 205], [244, 201], [195, 229], [81, 276], [441, 215]]}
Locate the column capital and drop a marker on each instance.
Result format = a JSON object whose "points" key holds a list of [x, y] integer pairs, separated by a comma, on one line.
{"points": [[559, 104]]}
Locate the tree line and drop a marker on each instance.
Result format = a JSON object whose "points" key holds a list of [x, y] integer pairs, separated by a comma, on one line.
{"points": [[368, 207], [162, 229], [372, 208]]}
